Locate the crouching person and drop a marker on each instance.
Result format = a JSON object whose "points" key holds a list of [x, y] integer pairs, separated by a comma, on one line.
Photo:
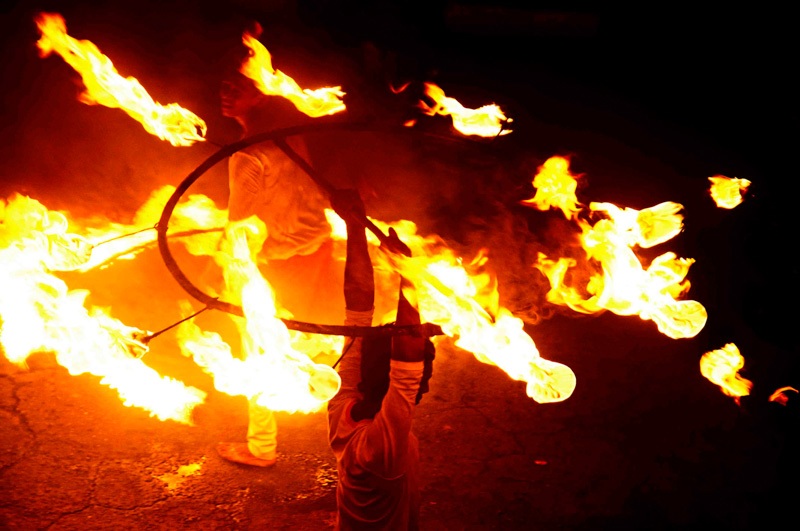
{"points": [[383, 379]]}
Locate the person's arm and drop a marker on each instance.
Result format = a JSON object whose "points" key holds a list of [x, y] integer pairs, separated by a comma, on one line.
{"points": [[359, 281], [383, 446], [359, 285]]}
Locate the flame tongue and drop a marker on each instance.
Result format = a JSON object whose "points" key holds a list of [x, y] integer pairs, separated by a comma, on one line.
{"points": [[314, 103], [464, 304], [105, 86], [39, 313], [486, 121], [622, 284], [722, 367], [781, 395], [281, 377], [727, 192], [555, 187]]}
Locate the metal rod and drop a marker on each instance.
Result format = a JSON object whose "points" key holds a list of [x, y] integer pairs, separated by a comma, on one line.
{"points": [[154, 227], [146, 339]]}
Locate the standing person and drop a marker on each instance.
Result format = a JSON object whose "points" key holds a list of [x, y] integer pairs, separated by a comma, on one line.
{"points": [[297, 257], [383, 379]]}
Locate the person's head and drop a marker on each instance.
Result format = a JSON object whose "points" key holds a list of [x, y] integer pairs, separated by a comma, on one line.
{"points": [[239, 96], [375, 360], [255, 111]]}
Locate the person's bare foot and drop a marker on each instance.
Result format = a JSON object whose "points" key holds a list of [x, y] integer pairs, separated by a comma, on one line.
{"points": [[239, 453]]}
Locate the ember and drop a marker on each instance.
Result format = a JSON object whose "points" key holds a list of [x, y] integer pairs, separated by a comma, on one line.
{"points": [[781, 395]]}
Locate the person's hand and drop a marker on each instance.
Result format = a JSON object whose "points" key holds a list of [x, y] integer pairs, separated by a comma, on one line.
{"points": [[347, 203], [394, 244]]}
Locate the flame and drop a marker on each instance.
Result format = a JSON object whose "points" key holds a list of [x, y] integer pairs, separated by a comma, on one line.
{"points": [[463, 300], [272, 369], [621, 283], [105, 86], [779, 395], [728, 192], [555, 187], [448, 295], [39, 313], [102, 241], [258, 67], [721, 367], [486, 121]]}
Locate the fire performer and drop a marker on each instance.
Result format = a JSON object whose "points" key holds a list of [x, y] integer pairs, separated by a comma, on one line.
{"points": [[383, 379], [297, 257]]}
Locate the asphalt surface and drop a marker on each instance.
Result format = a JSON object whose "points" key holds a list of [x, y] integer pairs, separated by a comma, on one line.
{"points": [[645, 442]]}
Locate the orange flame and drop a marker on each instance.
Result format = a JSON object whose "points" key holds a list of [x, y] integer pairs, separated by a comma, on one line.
{"points": [[258, 67], [39, 313], [779, 395], [104, 241], [463, 301], [728, 192], [721, 367], [486, 121], [105, 86], [272, 369], [623, 285], [555, 187]]}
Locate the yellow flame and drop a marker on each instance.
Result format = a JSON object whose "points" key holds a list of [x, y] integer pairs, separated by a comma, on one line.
{"points": [[105, 86], [97, 242], [721, 367], [622, 285], [39, 313], [272, 369], [314, 103], [727, 192], [487, 121], [555, 187], [464, 301]]}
